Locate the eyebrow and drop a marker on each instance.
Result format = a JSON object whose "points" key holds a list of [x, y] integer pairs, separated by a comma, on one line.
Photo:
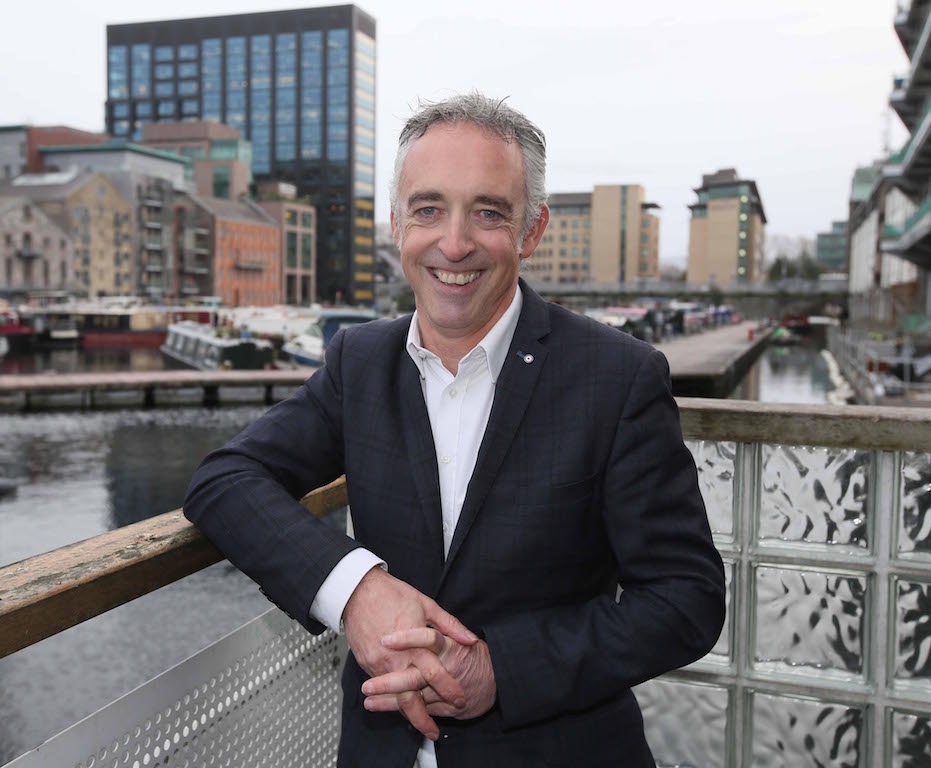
{"points": [[432, 196]]}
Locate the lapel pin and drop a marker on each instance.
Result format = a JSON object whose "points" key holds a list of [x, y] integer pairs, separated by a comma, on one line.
{"points": [[526, 358]]}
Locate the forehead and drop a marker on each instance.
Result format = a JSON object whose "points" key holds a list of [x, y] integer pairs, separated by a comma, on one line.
{"points": [[464, 158]]}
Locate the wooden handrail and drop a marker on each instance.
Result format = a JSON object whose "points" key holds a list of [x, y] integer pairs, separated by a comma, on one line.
{"points": [[48, 593]]}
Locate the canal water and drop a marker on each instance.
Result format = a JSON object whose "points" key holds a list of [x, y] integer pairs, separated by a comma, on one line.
{"points": [[68, 476]]}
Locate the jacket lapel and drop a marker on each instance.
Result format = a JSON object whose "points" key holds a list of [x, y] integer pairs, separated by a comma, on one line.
{"points": [[513, 392], [418, 436]]}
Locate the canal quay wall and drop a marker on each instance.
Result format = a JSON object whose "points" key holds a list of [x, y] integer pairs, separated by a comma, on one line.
{"points": [[706, 365]]}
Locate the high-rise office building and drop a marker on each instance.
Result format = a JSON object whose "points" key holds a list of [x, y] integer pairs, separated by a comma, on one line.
{"points": [[299, 85], [604, 236], [726, 231]]}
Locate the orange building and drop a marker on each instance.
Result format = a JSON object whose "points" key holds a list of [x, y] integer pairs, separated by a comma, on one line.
{"points": [[246, 252]]}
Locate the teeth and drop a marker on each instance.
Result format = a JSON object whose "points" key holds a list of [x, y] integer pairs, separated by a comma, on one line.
{"points": [[451, 278]]}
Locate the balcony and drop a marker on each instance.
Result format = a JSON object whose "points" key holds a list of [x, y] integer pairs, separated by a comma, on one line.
{"points": [[249, 266], [912, 241], [911, 89], [912, 163], [28, 253], [153, 245], [154, 225], [820, 514], [152, 202]]}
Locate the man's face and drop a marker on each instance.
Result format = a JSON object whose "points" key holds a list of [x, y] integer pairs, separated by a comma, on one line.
{"points": [[461, 202]]}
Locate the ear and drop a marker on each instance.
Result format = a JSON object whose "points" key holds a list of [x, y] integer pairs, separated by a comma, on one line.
{"points": [[394, 230], [532, 240]]}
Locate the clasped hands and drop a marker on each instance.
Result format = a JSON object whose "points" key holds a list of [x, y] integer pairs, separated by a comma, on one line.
{"points": [[422, 660]]}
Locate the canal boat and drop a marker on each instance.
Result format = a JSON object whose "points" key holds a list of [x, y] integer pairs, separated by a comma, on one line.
{"points": [[201, 346], [19, 335], [308, 347]]}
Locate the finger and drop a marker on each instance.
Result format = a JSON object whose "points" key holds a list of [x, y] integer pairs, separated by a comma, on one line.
{"points": [[442, 709], [382, 702], [417, 637], [436, 676], [448, 624], [409, 679], [413, 708]]}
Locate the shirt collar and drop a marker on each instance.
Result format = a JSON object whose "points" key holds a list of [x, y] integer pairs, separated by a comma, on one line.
{"points": [[495, 344]]}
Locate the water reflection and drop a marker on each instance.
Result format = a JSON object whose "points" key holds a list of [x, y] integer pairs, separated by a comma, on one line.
{"points": [[83, 360], [796, 374]]}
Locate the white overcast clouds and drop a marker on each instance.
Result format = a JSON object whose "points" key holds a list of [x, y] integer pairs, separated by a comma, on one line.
{"points": [[793, 94]]}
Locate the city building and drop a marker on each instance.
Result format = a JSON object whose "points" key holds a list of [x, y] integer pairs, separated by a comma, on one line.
{"points": [[244, 247], [298, 84], [222, 159], [35, 252], [297, 224], [831, 248], [150, 180], [19, 145], [605, 236], [726, 231], [890, 222], [92, 211]]}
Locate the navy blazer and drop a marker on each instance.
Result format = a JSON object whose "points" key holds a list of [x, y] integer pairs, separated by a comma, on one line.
{"points": [[582, 483]]}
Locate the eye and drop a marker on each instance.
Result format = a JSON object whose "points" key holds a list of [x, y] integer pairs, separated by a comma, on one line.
{"points": [[427, 212], [489, 215]]}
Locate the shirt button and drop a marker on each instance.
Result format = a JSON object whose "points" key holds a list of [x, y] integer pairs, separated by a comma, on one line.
{"points": [[445, 528], [453, 392], [445, 460]]}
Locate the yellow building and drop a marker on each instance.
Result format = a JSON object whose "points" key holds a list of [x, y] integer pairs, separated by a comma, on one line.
{"points": [[603, 236], [726, 231], [90, 209]]}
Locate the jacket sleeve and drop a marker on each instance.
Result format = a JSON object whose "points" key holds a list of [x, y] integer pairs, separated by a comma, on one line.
{"points": [[568, 658], [244, 496]]}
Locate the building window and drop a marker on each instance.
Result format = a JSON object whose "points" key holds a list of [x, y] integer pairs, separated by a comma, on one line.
{"points": [[221, 182], [165, 89], [141, 63], [117, 72]]}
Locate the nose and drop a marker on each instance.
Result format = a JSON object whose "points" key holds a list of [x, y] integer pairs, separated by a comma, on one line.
{"points": [[456, 242]]}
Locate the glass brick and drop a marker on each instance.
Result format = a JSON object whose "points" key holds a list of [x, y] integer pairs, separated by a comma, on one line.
{"points": [[814, 496], [910, 737], [722, 651], [803, 732], [912, 645], [809, 622], [715, 463], [915, 508], [685, 723]]}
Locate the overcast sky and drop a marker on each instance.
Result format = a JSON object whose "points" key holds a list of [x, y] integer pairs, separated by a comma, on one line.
{"points": [[793, 94]]}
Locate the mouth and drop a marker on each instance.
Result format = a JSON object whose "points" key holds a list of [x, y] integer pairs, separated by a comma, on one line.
{"points": [[454, 278]]}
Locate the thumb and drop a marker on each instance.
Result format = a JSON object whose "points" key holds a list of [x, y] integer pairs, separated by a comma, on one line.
{"points": [[448, 624]]}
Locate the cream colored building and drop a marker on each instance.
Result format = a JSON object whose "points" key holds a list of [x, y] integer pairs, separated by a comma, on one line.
{"points": [[726, 231], [603, 236], [97, 218]]}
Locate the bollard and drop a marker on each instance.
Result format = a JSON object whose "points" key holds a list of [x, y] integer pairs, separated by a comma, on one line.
{"points": [[749, 334]]}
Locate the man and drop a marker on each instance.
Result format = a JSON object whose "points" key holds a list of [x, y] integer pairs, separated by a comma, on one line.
{"points": [[510, 464]]}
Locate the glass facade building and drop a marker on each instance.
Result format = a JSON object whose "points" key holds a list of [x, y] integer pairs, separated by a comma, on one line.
{"points": [[299, 85]]}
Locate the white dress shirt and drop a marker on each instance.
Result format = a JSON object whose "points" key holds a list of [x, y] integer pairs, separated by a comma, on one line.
{"points": [[458, 407]]}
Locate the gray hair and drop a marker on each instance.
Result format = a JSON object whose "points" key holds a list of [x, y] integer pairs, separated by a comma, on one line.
{"points": [[491, 115]]}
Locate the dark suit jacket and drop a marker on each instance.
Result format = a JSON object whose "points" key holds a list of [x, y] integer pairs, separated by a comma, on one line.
{"points": [[582, 483]]}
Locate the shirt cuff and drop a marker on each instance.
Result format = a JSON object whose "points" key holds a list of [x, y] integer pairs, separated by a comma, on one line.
{"points": [[338, 587]]}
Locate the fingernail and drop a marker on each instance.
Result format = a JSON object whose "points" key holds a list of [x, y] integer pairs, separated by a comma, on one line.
{"points": [[460, 703], [366, 689]]}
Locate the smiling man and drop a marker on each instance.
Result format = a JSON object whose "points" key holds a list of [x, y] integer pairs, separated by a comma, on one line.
{"points": [[509, 466]]}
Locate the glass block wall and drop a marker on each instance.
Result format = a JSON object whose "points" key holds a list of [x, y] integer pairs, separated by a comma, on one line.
{"points": [[825, 658]]}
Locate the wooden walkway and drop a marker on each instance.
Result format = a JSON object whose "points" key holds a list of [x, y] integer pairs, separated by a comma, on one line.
{"points": [[27, 392], [711, 363], [708, 364]]}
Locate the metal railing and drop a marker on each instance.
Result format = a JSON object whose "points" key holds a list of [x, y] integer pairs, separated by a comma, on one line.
{"points": [[822, 515]]}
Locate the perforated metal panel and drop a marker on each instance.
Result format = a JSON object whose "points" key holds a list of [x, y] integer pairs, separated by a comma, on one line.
{"points": [[266, 695]]}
